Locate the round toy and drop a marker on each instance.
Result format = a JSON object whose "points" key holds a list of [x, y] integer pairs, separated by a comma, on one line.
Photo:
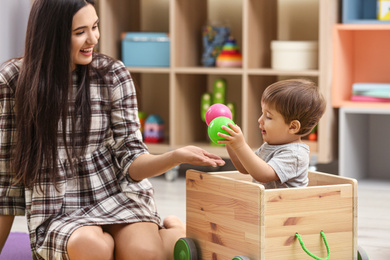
{"points": [[217, 110], [215, 127]]}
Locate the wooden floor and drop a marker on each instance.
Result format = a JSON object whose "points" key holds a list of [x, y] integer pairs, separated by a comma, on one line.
{"points": [[373, 212]]}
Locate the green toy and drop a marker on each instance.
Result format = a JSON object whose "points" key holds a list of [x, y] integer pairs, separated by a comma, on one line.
{"points": [[205, 103], [215, 127], [217, 96], [219, 91]]}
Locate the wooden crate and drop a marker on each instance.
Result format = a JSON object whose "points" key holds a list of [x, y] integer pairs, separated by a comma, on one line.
{"points": [[229, 215]]}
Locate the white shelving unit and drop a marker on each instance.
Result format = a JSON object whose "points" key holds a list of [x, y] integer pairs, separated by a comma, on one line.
{"points": [[364, 143]]}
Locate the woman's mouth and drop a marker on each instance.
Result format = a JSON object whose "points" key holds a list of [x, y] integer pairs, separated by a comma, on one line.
{"points": [[87, 52]]}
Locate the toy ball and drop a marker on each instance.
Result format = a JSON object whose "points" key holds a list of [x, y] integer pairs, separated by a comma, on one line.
{"points": [[217, 110], [215, 127]]}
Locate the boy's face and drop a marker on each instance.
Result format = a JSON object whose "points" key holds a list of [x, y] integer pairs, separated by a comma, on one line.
{"points": [[274, 129]]}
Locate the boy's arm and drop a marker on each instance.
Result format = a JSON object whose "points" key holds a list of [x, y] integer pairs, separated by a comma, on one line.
{"points": [[5, 227], [254, 165], [236, 162]]}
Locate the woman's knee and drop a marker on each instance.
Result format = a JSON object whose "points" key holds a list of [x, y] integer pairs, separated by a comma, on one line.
{"points": [[90, 242]]}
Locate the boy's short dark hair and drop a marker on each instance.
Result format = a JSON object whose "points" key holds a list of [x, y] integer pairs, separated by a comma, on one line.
{"points": [[296, 99]]}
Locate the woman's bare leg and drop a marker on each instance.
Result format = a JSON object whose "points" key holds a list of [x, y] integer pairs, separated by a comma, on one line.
{"points": [[145, 241], [174, 229], [90, 242]]}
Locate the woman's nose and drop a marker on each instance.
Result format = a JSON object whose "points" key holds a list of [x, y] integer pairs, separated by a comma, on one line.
{"points": [[93, 38]]}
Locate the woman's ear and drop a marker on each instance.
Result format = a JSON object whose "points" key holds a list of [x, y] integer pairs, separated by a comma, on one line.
{"points": [[295, 126]]}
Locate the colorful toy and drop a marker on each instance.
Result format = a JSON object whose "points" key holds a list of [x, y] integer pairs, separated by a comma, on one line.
{"points": [[219, 91], [205, 103], [217, 96], [215, 127], [214, 38], [154, 129], [313, 134], [217, 110], [142, 118], [230, 55]]}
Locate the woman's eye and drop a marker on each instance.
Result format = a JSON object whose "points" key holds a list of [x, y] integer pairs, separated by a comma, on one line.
{"points": [[79, 33]]}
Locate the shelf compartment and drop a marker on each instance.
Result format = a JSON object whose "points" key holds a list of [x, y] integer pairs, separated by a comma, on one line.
{"points": [[364, 142], [153, 97], [188, 21], [115, 18], [129, 16], [361, 54], [261, 26], [189, 127]]}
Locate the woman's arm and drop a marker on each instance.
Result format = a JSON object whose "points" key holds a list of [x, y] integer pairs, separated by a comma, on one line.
{"points": [[5, 227], [149, 165]]}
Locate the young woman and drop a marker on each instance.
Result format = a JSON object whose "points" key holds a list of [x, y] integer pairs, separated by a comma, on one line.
{"points": [[71, 154]]}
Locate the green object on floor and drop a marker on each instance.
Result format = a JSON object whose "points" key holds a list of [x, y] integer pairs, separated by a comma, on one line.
{"points": [[185, 249]]}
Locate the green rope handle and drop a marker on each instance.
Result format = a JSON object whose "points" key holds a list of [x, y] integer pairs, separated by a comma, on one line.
{"points": [[308, 252]]}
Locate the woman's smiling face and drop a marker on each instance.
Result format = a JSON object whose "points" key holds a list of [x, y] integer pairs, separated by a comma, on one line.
{"points": [[85, 35]]}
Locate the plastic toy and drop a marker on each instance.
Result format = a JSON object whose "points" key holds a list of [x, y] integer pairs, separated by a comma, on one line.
{"points": [[230, 55], [217, 110], [217, 96], [154, 129], [205, 103], [214, 38], [219, 91], [142, 118], [215, 127], [313, 135], [230, 217]]}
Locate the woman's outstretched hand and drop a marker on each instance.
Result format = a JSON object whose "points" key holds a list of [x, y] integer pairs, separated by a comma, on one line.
{"points": [[197, 156]]}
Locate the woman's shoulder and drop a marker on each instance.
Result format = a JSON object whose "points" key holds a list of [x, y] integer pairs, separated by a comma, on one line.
{"points": [[102, 61], [9, 68], [9, 72]]}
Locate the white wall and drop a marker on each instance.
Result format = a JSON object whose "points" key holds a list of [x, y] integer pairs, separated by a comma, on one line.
{"points": [[13, 23]]}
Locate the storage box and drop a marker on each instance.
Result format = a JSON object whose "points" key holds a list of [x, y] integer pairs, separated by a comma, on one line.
{"points": [[294, 55], [229, 215], [144, 49]]}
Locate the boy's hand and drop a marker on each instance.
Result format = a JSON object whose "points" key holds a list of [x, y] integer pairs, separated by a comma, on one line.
{"points": [[235, 139]]}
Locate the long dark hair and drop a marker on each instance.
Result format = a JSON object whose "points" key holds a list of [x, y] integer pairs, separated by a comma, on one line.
{"points": [[43, 91]]}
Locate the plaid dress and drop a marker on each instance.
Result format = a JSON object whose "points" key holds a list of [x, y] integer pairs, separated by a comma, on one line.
{"points": [[101, 192]]}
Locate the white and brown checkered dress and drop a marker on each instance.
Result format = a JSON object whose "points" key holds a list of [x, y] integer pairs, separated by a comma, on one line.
{"points": [[102, 192]]}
